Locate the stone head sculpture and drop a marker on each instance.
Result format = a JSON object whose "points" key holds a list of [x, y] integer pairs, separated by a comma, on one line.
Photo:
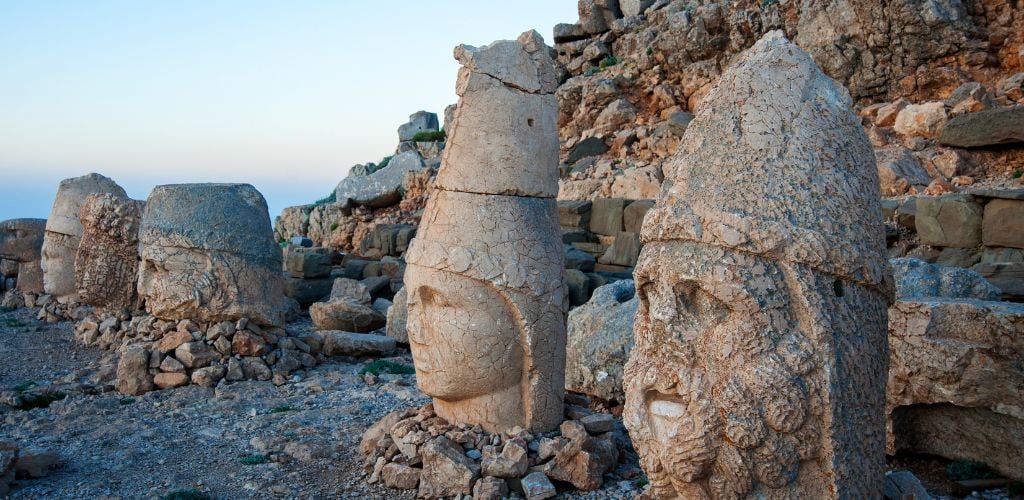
{"points": [[486, 288], [21, 241], [208, 254], [760, 360], [107, 262], [64, 231]]}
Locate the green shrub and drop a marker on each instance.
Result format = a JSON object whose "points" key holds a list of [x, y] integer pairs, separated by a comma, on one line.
{"points": [[591, 71], [254, 459], [766, 3], [429, 136], [13, 322], [962, 470], [126, 401], [282, 409], [334, 226], [383, 366], [6, 309], [608, 62], [641, 482], [1017, 174], [650, 51], [22, 387], [191, 494]]}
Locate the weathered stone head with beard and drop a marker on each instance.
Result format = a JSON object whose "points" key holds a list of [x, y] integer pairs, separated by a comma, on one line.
{"points": [[760, 360]]}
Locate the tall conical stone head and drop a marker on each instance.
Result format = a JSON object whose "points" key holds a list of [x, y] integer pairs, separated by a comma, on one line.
{"points": [[64, 231], [486, 287], [208, 254], [760, 361]]}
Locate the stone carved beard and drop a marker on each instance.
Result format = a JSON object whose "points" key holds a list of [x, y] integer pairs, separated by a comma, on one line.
{"points": [[466, 343], [187, 281], [724, 395]]}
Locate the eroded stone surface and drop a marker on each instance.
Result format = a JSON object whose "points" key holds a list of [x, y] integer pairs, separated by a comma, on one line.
{"points": [[21, 241], [208, 254], [760, 357], [107, 262], [486, 289], [64, 231]]}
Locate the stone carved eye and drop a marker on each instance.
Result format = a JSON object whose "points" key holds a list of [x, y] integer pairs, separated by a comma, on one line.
{"points": [[699, 311], [529, 122]]}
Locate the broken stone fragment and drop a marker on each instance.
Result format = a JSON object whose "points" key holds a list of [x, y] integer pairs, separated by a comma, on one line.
{"points": [[133, 376], [447, 471]]}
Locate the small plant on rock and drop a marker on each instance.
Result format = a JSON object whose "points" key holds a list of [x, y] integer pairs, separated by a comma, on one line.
{"points": [[1017, 174], [254, 459], [13, 322], [608, 62], [126, 401], [383, 366], [591, 71], [430, 136], [22, 387], [282, 408]]}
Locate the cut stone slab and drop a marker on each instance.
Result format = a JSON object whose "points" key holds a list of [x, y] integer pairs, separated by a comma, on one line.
{"points": [[633, 215], [591, 146], [346, 315], [985, 128], [606, 216], [307, 291], [1003, 224], [624, 251], [574, 214], [949, 221], [356, 344]]}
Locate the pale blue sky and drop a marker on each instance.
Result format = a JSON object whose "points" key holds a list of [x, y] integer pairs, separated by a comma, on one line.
{"points": [[285, 95]]}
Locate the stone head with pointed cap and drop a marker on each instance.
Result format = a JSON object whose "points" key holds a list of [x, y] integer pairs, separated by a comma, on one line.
{"points": [[760, 360], [487, 294]]}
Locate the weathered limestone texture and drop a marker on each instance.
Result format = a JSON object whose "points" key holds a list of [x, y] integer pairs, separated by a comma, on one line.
{"points": [[486, 288], [21, 241], [107, 263], [956, 388], [64, 231], [760, 360], [208, 254]]}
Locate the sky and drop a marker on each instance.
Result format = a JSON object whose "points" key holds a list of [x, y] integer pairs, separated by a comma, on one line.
{"points": [[284, 95]]}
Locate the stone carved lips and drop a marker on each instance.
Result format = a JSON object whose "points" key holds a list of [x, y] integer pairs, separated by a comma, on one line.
{"points": [[461, 322]]}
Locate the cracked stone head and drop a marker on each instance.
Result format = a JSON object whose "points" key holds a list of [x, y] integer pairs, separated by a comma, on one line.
{"points": [[21, 240], [463, 335]]}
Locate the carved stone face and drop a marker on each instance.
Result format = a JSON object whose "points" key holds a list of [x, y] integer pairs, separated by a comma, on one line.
{"points": [[21, 239], [58, 264], [176, 279], [462, 336], [723, 376]]}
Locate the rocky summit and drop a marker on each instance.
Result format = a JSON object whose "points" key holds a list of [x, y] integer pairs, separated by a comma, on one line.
{"points": [[664, 249]]}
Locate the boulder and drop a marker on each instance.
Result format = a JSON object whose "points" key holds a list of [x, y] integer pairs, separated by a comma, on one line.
{"points": [[917, 279], [8, 458], [347, 315], [35, 463], [308, 263], [986, 128], [899, 170], [400, 476], [307, 291], [578, 259], [420, 121], [208, 254], [579, 286], [1003, 224], [921, 120], [600, 339], [591, 146], [901, 484], [537, 486], [356, 344], [949, 221], [512, 462], [133, 376], [447, 471], [397, 316], [634, 213], [634, 7], [381, 188], [643, 182], [583, 460], [350, 289], [490, 488], [597, 16], [955, 384], [197, 354]]}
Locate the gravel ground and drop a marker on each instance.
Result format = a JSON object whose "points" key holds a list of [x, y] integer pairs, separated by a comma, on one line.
{"points": [[111, 446]]}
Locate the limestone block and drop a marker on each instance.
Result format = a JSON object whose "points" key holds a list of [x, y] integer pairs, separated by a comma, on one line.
{"points": [[381, 188], [346, 314], [1004, 268], [308, 263], [64, 231], [736, 386], [955, 386], [606, 216], [485, 279], [208, 254], [600, 337], [107, 262], [624, 251], [952, 220], [21, 242], [915, 279], [574, 214], [420, 121], [307, 291], [985, 128], [1003, 224], [921, 120], [398, 316], [634, 213]]}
